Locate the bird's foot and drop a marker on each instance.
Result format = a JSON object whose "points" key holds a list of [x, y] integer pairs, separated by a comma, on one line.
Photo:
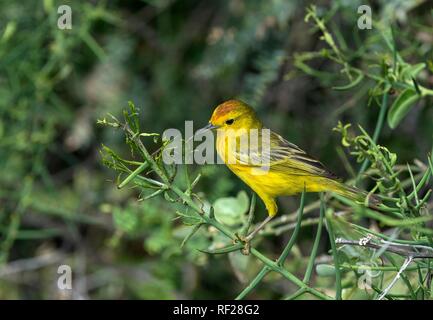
{"points": [[246, 241], [246, 249]]}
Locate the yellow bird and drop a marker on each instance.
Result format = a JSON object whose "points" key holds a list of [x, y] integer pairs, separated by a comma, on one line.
{"points": [[270, 165]]}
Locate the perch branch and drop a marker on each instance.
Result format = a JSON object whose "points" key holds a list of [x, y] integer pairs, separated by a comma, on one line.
{"points": [[416, 252]]}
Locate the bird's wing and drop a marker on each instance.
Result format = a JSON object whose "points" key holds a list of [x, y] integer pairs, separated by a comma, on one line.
{"points": [[278, 154]]}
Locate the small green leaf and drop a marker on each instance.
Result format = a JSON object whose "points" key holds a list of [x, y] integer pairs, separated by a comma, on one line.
{"points": [[134, 174], [10, 29], [411, 71], [190, 234], [401, 107], [190, 218], [415, 84], [230, 210], [125, 219], [325, 270], [230, 248]]}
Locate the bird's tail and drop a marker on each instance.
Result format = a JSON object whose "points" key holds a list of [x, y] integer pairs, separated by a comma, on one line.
{"points": [[357, 195]]}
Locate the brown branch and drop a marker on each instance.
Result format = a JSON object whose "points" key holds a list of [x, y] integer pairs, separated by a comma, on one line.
{"points": [[416, 252]]}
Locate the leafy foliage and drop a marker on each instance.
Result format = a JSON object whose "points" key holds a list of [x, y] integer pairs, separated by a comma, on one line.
{"points": [[134, 236]]}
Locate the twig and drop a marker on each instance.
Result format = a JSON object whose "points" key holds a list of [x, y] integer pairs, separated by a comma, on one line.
{"points": [[265, 270], [331, 233], [29, 264], [288, 275], [377, 130], [313, 254], [406, 263], [402, 250], [251, 212]]}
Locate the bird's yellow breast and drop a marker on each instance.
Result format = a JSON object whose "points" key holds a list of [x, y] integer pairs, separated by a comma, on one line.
{"points": [[266, 181]]}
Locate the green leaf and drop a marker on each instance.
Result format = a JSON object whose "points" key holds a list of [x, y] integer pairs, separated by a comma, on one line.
{"points": [[411, 71], [230, 210], [227, 249], [190, 234], [416, 86], [325, 270], [134, 174], [401, 107], [125, 220], [190, 218]]}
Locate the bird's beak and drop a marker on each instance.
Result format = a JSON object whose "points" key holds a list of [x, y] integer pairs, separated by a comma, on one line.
{"points": [[208, 127]]}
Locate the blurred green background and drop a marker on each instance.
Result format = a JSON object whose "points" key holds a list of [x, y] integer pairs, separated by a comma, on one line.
{"points": [[176, 60]]}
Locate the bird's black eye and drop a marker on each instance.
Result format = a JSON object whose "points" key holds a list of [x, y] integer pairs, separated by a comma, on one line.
{"points": [[230, 121]]}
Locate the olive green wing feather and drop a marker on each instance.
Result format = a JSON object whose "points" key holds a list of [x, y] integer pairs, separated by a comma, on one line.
{"points": [[271, 151], [288, 156]]}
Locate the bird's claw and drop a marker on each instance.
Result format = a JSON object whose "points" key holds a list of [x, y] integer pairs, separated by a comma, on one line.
{"points": [[246, 249]]}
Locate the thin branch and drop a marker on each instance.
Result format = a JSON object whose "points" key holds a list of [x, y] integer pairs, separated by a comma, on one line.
{"points": [[331, 233], [265, 270], [251, 212], [377, 130], [406, 263], [29, 264], [288, 275], [416, 252]]}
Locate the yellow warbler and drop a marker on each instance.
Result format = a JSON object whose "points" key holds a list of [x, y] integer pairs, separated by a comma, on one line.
{"points": [[288, 169]]}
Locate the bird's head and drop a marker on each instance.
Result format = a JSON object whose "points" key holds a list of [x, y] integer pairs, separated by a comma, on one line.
{"points": [[234, 114]]}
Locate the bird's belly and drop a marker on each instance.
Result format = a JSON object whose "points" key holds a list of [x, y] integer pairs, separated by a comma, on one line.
{"points": [[276, 184], [264, 182], [270, 183]]}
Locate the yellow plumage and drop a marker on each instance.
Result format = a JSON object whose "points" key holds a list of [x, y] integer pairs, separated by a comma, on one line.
{"points": [[288, 170]]}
